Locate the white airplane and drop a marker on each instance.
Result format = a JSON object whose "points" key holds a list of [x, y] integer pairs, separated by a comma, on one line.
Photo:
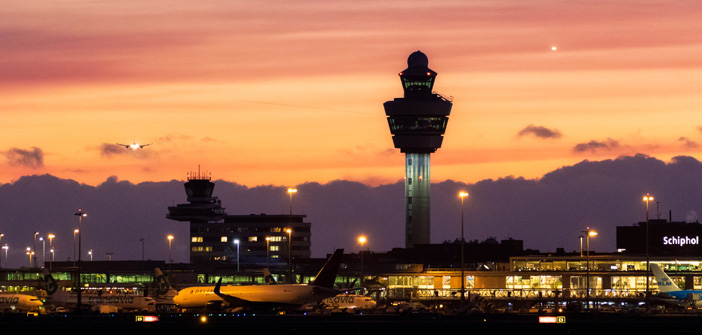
{"points": [[133, 146], [668, 289], [19, 302], [234, 296], [60, 298]]}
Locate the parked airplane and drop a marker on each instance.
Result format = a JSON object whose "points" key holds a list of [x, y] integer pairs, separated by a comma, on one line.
{"points": [[669, 290], [60, 298], [133, 146], [163, 287], [353, 301], [19, 302], [233, 296]]}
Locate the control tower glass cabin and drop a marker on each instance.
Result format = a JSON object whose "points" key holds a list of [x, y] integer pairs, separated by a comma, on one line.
{"points": [[417, 124]]}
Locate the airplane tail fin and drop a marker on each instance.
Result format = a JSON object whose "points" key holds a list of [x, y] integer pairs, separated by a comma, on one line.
{"points": [[665, 284], [161, 282], [268, 277], [327, 275], [50, 283]]}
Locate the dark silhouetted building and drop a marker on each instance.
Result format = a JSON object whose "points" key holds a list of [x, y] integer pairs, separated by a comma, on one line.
{"points": [[251, 240], [665, 238]]}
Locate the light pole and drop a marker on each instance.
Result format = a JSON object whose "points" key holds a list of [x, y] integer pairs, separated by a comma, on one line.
{"points": [[1, 235], [647, 198], [170, 255], [43, 252], [35, 248], [90, 252], [588, 233], [289, 231], [80, 216], [142, 249], [75, 231], [51, 249], [362, 239], [236, 241], [5, 247], [268, 243], [30, 253], [463, 195], [291, 191]]}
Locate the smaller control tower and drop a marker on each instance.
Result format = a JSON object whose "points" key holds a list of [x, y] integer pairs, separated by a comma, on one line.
{"points": [[418, 122]]}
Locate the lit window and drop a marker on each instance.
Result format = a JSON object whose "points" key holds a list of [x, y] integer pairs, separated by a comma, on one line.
{"points": [[276, 238], [196, 239], [276, 230], [253, 238], [274, 248], [224, 239]]}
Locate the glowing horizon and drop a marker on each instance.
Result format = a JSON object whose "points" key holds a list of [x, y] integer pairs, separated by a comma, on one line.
{"points": [[292, 93]]}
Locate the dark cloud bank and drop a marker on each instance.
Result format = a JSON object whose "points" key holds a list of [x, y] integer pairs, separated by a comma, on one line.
{"points": [[545, 213]]}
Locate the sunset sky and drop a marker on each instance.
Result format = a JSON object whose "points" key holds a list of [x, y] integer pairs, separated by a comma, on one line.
{"points": [[283, 93]]}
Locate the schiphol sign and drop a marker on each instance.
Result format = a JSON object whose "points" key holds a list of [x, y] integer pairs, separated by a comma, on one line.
{"points": [[681, 240]]}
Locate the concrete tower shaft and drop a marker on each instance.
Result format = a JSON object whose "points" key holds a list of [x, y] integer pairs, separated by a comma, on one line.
{"points": [[418, 122]]}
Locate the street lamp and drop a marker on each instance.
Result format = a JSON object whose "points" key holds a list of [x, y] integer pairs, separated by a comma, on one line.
{"points": [[43, 251], [362, 240], [80, 216], [5, 247], [463, 195], [291, 191], [647, 198], [90, 252], [268, 243], [30, 253], [35, 248], [236, 241], [75, 231], [588, 233], [289, 231], [1, 235], [51, 249], [170, 257]]}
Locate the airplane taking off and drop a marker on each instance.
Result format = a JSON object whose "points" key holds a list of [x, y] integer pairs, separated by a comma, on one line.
{"points": [[19, 302], [133, 146], [671, 291], [233, 296]]}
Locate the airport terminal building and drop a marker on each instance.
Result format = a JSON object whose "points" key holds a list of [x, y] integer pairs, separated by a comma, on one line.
{"points": [[498, 270]]}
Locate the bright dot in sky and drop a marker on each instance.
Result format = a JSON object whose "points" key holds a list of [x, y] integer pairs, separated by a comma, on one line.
{"points": [[554, 48]]}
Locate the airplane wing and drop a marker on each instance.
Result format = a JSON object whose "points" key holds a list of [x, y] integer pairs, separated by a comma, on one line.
{"points": [[122, 145], [143, 145], [230, 299]]}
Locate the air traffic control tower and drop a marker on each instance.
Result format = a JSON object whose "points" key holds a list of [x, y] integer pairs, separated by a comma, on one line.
{"points": [[418, 122]]}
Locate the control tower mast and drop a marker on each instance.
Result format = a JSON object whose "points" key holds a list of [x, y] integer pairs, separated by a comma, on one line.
{"points": [[418, 122]]}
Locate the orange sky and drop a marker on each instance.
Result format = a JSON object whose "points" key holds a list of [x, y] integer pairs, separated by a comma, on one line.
{"points": [[285, 93]]}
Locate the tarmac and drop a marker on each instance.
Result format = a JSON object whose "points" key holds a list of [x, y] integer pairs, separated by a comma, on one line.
{"points": [[344, 323]]}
